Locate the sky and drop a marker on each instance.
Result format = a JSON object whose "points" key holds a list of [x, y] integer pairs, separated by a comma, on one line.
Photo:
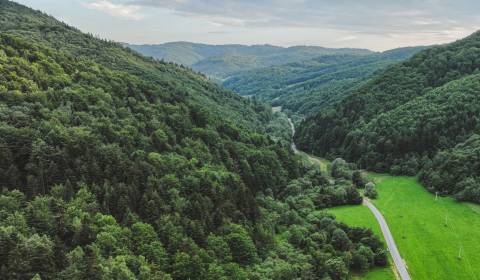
{"points": [[373, 24]]}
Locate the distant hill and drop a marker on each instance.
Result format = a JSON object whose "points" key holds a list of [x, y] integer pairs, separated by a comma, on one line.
{"points": [[221, 61], [410, 118], [305, 87]]}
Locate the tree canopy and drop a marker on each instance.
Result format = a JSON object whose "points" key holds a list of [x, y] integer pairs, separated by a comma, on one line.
{"points": [[115, 166]]}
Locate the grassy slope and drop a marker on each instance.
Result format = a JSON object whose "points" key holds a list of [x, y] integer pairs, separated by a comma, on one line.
{"points": [[417, 222]]}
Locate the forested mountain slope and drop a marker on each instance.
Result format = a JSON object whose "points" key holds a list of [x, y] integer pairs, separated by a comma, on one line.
{"points": [[399, 120], [221, 61], [114, 166], [308, 86]]}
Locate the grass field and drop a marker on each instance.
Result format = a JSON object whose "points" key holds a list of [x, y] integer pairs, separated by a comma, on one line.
{"points": [[438, 238]]}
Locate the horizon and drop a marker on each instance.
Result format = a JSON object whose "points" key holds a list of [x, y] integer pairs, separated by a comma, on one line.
{"points": [[345, 24], [277, 46]]}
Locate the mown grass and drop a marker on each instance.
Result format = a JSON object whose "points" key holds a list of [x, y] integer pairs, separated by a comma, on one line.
{"points": [[439, 238]]}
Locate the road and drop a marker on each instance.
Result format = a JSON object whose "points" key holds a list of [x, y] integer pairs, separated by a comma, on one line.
{"points": [[392, 247]]}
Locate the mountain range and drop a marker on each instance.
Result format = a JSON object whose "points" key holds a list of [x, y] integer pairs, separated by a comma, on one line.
{"points": [[222, 61]]}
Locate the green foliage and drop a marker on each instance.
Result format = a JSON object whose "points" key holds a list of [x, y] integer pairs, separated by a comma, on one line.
{"points": [[304, 87], [340, 169], [370, 190], [241, 245], [404, 117], [222, 61], [357, 179], [455, 171], [114, 166]]}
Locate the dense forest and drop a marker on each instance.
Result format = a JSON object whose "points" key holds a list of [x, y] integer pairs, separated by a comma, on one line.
{"points": [[305, 87], [222, 61], [409, 119], [115, 166]]}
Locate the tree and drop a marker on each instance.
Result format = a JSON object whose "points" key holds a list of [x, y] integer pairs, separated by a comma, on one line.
{"points": [[340, 240], [31, 256], [147, 244], [186, 267], [242, 247], [336, 269], [370, 190], [362, 258], [357, 179], [339, 169]]}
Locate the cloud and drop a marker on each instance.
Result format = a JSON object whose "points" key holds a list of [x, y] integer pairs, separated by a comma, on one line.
{"points": [[127, 11], [351, 15], [375, 24]]}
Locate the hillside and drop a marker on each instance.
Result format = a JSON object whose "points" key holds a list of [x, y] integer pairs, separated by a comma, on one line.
{"points": [[308, 86], [221, 61], [116, 166], [403, 117]]}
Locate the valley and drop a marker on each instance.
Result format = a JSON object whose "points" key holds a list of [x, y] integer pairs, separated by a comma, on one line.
{"points": [[182, 160], [117, 166]]}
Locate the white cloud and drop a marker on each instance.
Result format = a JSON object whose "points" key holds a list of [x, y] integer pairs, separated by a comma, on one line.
{"points": [[128, 11]]}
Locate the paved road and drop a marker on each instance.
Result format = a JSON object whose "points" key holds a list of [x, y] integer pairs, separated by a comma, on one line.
{"points": [[392, 247]]}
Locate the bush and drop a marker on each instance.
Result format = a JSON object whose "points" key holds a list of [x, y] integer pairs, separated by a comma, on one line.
{"points": [[357, 179], [370, 190], [340, 169]]}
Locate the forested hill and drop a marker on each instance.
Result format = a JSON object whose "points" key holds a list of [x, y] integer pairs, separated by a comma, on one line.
{"points": [[305, 87], [115, 166], [40, 28], [221, 61], [404, 118]]}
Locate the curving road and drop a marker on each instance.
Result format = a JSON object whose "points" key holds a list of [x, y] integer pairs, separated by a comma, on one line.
{"points": [[392, 247]]}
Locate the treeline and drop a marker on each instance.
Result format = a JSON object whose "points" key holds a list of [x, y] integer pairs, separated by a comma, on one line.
{"points": [[455, 171], [113, 166], [400, 120]]}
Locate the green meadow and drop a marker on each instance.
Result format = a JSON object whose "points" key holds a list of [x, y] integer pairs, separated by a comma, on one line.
{"points": [[439, 238]]}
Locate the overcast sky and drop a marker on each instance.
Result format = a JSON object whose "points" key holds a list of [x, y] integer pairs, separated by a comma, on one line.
{"points": [[372, 24]]}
